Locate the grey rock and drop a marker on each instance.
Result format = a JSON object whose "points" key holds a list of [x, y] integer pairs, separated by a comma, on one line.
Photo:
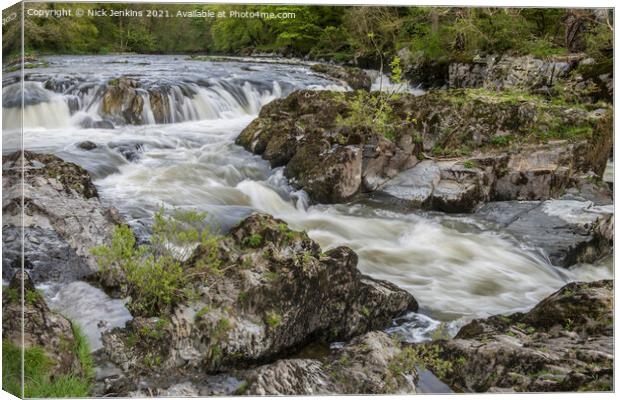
{"points": [[568, 231], [565, 343], [370, 364], [273, 297], [63, 216]]}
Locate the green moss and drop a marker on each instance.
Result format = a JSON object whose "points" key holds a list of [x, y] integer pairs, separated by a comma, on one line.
{"points": [[563, 132], [273, 319], [243, 388], [365, 311], [202, 312], [242, 297], [501, 140], [469, 164], [271, 276], [11, 294]]}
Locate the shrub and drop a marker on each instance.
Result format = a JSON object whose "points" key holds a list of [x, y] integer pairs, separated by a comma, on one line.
{"points": [[153, 275]]}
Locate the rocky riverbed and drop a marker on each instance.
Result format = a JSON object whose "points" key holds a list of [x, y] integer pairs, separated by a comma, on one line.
{"points": [[463, 246]]}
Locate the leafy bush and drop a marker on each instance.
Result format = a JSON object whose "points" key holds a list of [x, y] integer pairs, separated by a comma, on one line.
{"points": [[154, 276], [374, 110]]}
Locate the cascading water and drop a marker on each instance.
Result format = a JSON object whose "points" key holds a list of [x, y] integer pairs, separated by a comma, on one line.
{"points": [[42, 108], [455, 266]]}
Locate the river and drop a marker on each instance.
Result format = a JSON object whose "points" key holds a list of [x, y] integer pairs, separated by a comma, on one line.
{"points": [[456, 266]]}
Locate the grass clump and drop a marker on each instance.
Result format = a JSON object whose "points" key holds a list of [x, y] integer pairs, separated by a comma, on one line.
{"points": [[38, 379], [469, 164], [153, 276]]}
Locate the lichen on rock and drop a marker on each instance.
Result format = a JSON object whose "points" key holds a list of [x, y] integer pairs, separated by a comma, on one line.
{"points": [[565, 343]]}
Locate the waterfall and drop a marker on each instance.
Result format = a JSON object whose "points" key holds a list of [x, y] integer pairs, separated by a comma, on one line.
{"points": [[165, 104], [42, 108]]}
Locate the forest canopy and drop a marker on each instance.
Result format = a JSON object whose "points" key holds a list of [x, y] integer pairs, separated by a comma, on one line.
{"points": [[339, 33]]}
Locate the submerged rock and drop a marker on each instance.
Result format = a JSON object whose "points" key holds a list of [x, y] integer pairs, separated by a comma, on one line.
{"points": [[273, 292], [356, 78], [565, 343], [87, 145], [567, 231], [63, 218], [370, 364]]}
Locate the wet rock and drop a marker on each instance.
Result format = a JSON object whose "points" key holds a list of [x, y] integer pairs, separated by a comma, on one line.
{"points": [[123, 101], [90, 123], [370, 364], [275, 292], [568, 231], [47, 256], [336, 178], [296, 131], [63, 217], [356, 78], [130, 150], [87, 145], [565, 343], [41, 327]]}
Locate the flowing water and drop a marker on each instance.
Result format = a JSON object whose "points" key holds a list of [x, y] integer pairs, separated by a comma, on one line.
{"points": [[457, 267]]}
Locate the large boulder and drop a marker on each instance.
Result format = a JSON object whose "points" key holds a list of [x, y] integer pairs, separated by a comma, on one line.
{"points": [[123, 101], [370, 364], [129, 101], [273, 292], [565, 343], [445, 150], [567, 231], [63, 218]]}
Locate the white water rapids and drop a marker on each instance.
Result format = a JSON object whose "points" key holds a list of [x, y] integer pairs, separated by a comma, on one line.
{"points": [[455, 266]]}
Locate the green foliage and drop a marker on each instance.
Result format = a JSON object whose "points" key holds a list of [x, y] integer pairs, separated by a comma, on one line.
{"points": [[154, 275], [331, 32], [441, 332], [426, 356], [202, 312], [254, 240], [273, 319], [469, 164], [396, 70], [501, 140], [370, 111], [38, 368], [83, 352], [566, 133], [11, 294]]}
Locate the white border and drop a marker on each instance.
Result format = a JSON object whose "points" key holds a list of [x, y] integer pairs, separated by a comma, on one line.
{"points": [[473, 3]]}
